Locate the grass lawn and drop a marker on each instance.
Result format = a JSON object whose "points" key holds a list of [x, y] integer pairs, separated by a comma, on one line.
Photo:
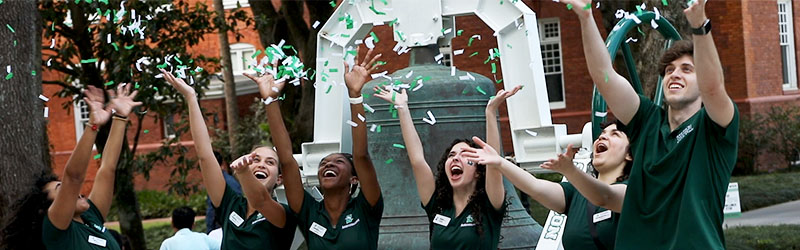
{"points": [[763, 237], [756, 191]]}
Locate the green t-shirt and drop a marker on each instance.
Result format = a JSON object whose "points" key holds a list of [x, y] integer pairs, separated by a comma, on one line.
{"points": [[357, 227], [458, 232], [255, 231], [678, 181], [577, 234], [91, 235]]}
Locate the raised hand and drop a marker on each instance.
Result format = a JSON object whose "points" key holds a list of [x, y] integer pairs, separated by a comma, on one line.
{"points": [[486, 155], [501, 97], [178, 84], [242, 164], [578, 7], [98, 114], [266, 84], [122, 99], [356, 78], [562, 163], [696, 13], [392, 96]]}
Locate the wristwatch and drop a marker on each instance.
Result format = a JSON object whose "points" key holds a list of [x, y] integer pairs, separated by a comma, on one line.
{"points": [[703, 29]]}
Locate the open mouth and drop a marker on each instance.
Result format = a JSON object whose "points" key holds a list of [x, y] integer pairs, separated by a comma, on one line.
{"points": [[456, 171], [675, 85], [261, 175], [329, 173], [601, 147]]}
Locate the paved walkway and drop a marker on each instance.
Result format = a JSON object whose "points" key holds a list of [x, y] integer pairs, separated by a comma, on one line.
{"points": [[784, 213]]}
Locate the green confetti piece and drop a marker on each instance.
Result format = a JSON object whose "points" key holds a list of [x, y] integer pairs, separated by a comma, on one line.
{"points": [[480, 90], [129, 47], [394, 113], [606, 73], [394, 94], [588, 6], [1, 1], [569, 6], [93, 60], [334, 70], [494, 68], [33, 73], [344, 35], [53, 26], [136, 86], [465, 91], [109, 83], [509, 45], [326, 63], [378, 129], [640, 31], [352, 52], [15, 43], [399, 34], [664, 2], [458, 33], [372, 7], [469, 44], [374, 37], [638, 10], [146, 131], [329, 89], [333, 4], [116, 47], [11, 29], [103, 1], [391, 23], [179, 60], [473, 54], [389, 161], [161, 66], [499, 81], [398, 146], [9, 76], [97, 156], [379, 63]]}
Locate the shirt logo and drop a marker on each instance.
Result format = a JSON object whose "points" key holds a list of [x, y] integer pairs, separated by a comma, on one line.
{"points": [[469, 219], [685, 132], [348, 219], [469, 222]]}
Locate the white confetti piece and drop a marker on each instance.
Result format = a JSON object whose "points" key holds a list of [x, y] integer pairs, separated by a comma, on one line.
{"points": [[376, 75], [631, 39], [438, 57], [419, 85], [643, 6], [619, 14], [357, 42], [49, 62], [372, 129], [448, 30], [44, 98], [108, 38], [46, 112], [370, 42], [352, 124], [53, 43], [368, 108], [600, 114], [470, 76], [295, 82], [463, 78], [8, 68], [378, 23], [430, 119], [653, 24], [409, 74], [268, 100], [458, 52], [397, 47], [361, 117], [658, 13], [532, 133], [476, 36], [635, 19], [314, 26], [598, 5], [453, 71]]}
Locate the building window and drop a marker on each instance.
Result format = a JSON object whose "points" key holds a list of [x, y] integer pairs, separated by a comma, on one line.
{"points": [[242, 57], [169, 127], [81, 118], [550, 41], [447, 53], [786, 33], [232, 4]]}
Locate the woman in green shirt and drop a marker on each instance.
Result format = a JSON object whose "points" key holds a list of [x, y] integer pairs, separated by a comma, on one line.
{"points": [[255, 222], [347, 218], [465, 201], [54, 215], [590, 221]]}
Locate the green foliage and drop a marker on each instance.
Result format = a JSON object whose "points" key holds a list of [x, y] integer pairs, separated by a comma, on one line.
{"points": [[157, 234], [758, 191], [538, 212], [159, 204], [776, 131], [253, 131], [763, 237]]}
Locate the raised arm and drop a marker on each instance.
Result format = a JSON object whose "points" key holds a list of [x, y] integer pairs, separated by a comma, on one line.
{"points": [[103, 187], [280, 138], [710, 79], [426, 184], [598, 193], [549, 194], [616, 90], [256, 194], [62, 210], [492, 128], [355, 80], [209, 167]]}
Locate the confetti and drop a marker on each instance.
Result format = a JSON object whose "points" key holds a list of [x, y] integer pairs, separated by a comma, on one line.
{"points": [[378, 129], [606, 73], [438, 57], [33, 73], [368, 108], [93, 60], [314, 26], [588, 6], [653, 24], [494, 68], [399, 146], [430, 119], [469, 44], [44, 98], [46, 112], [664, 2], [11, 29], [389, 161], [329, 89], [453, 71], [638, 10], [351, 123], [97, 156], [146, 131], [372, 34], [532, 133], [631, 39], [369, 42], [658, 13], [480, 90], [333, 4], [569, 6], [473, 54], [372, 129], [458, 52], [361, 117], [9, 76], [109, 83], [458, 33], [600, 114]]}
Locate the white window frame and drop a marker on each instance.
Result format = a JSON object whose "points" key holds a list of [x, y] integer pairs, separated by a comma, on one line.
{"points": [[231, 4], [238, 61], [553, 41], [447, 52], [80, 121], [786, 38]]}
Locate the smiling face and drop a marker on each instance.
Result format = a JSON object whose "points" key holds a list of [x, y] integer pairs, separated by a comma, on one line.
{"points": [[265, 167], [680, 82], [610, 149], [52, 188], [460, 172], [335, 171]]}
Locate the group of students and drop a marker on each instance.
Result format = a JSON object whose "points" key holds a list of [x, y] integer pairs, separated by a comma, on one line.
{"points": [[660, 172]]}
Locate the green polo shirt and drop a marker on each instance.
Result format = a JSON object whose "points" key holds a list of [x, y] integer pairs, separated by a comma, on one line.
{"points": [[357, 227], [458, 232], [577, 234], [88, 235], [678, 181], [255, 231]]}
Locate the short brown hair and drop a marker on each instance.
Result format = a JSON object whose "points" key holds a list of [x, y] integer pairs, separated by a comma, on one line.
{"points": [[678, 49]]}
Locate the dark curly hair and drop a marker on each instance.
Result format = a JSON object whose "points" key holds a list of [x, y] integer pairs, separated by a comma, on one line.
{"points": [[24, 229], [444, 192], [626, 171]]}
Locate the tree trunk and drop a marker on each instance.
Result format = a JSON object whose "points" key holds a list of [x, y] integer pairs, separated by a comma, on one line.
{"points": [[130, 219], [231, 109], [648, 49], [23, 142]]}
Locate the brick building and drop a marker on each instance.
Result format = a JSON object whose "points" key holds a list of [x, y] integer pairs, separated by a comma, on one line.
{"points": [[755, 39]]}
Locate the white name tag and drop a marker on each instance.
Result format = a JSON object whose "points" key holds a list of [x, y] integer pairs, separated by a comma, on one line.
{"points": [[236, 219], [317, 229], [97, 241], [441, 220], [601, 216]]}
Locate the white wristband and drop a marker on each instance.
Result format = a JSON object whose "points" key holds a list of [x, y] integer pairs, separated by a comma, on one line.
{"points": [[357, 100]]}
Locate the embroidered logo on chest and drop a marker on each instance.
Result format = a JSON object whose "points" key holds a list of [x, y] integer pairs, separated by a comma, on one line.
{"points": [[468, 222], [348, 221], [685, 132]]}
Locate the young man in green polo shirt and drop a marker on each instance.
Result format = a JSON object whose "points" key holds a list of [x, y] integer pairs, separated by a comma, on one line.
{"points": [[684, 153]]}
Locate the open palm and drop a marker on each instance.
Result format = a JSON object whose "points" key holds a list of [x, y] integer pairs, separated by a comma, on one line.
{"points": [[178, 84], [392, 96], [266, 85], [98, 114], [501, 97], [122, 99], [356, 78]]}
